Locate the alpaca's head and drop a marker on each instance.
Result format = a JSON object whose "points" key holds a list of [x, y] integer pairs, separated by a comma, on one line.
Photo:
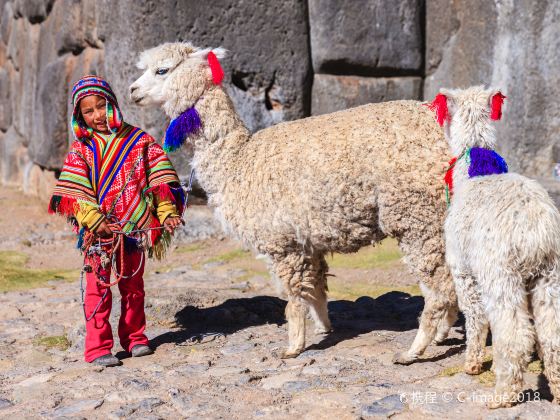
{"points": [[467, 115], [175, 76]]}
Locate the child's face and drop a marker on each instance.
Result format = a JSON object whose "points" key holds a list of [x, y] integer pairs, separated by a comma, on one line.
{"points": [[93, 111]]}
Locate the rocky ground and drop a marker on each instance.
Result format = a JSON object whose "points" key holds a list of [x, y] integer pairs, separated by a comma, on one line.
{"points": [[215, 319]]}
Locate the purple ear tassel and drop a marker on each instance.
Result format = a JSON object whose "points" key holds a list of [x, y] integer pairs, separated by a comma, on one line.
{"points": [[180, 128]]}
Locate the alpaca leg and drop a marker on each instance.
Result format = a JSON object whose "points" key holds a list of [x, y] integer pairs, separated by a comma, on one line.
{"points": [[298, 276], [435, 310], [418, 226], [476, 324], [446, 324], [512, 334], [295, 314], [546, 311], [317, 297]]}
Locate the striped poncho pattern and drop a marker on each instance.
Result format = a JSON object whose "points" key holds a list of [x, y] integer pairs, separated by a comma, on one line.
{"points": [[122, 179]]}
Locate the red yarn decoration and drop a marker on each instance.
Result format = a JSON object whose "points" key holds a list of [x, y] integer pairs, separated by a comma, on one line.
{"points": [[496, 106], [449, 175], [439, 105], [216, 68]]}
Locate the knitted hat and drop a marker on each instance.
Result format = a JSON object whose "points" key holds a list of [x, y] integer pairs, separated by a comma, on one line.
{"points": [[94, 85]]}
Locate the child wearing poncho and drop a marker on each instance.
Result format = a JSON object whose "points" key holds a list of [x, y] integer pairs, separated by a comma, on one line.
{"points": [[115, 179]]}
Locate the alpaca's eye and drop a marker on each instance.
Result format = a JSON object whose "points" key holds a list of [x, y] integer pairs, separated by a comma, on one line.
{"points": [[161, 72]]}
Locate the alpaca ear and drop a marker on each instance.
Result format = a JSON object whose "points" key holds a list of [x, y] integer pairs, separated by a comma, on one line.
{"points": [[496, 101], [203, 54], [439, 106]]}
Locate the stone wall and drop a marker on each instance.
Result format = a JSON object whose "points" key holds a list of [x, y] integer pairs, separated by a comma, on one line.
{"points": [[287, 59]]}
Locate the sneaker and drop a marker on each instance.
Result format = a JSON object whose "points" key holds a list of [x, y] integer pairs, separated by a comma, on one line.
{"points": [[107, 360], [140, 350]]}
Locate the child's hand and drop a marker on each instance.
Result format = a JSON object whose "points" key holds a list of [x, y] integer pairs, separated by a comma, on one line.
{"points": [[172, 223], [103, 230]]}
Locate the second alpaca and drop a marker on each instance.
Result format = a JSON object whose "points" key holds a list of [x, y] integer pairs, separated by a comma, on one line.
{"points": [[502, 236]]}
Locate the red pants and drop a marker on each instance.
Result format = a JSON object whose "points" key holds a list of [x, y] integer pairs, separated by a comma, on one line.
{"points": [[99, 337]]}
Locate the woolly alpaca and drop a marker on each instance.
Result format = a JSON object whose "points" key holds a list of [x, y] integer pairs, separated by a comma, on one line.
{"points": [[299, 190], [502, 236]]}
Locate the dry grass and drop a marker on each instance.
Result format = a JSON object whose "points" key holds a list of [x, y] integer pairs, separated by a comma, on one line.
{"points": [[15, 276]]}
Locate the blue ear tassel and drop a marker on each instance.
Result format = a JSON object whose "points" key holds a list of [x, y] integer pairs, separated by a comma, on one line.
{"points": [[180, 128]]}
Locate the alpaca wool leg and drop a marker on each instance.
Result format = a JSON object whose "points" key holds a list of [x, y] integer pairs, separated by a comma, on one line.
{"points": [[418, 226], [434, 311], [512, 336], [297, 275], [476, 324], [296, 311], [546, 312], [318, 297], [446, 323]]}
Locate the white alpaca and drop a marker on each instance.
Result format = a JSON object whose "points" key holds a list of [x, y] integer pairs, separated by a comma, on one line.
{"points": [[299, 190], [502, 236]]}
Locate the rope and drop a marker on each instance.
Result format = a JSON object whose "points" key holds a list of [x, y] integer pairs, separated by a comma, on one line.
{"points": [[116, 246]]}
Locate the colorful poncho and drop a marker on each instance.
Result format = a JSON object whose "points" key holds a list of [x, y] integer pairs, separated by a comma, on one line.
{"points": [[481, 162], [122, 175]]}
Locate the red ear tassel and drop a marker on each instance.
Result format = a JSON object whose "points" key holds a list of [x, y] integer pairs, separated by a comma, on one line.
{"points": [[216, 68], [496, 106], [439, 105]]}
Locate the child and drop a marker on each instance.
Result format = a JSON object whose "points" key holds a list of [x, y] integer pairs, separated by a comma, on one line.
{"points": [[120, 190]]}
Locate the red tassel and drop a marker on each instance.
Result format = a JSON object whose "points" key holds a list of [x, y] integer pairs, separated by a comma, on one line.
{"points": [[496, 103], [63, 205], [439, 105], [449, 175], [216, 68]]}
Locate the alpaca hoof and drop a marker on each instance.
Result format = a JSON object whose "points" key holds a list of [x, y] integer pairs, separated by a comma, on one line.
{"points": [[473, 368], [287, 354], [323, 331], [403, 359]]}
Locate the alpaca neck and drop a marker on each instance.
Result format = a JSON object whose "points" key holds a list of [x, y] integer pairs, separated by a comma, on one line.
{"points": [[218, 146]]}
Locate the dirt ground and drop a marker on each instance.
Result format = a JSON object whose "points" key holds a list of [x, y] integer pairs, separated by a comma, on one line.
{"points": [[215, 320]]}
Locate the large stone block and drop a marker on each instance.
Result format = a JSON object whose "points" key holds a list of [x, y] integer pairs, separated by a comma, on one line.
{"points": [[367, 37], [35, 11], [268, 69], [23, 52], [13, 157], [49, 142], [5, 105], [334, 93], [6, 22], [514, 46]]}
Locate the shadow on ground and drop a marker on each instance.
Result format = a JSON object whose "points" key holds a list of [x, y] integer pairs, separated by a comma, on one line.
{"points": [[393, 311]]}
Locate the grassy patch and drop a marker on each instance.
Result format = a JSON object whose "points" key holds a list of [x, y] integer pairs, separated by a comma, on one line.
{"points": [[228, 257], [340, 289], [249, 274], [452, 370], [14, 275], [53, 342], [194, 247], [380, 256]]}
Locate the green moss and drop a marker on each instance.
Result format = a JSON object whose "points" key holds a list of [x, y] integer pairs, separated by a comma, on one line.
{"points": [[54, 341], [383, 255], [15, 276]]}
